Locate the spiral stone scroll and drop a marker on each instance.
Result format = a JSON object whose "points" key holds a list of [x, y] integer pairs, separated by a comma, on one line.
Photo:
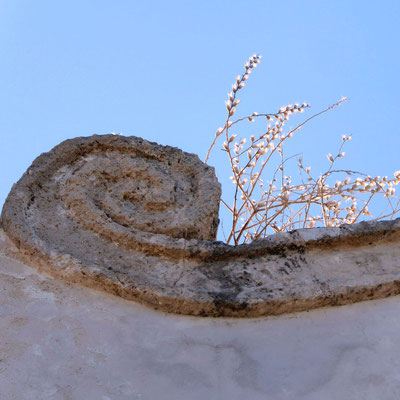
{"points": [[139, 220]]}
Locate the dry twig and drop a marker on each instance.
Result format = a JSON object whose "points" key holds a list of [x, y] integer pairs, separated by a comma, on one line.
{"points": [[260, 208]]}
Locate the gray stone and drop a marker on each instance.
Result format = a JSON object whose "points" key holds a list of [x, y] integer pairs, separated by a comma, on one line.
{"points": [[138, 220]]}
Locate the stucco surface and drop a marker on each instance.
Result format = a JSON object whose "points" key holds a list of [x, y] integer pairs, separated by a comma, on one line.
{"points": [[64, 341]]}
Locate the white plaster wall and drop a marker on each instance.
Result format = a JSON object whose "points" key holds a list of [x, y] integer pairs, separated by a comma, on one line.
{"points": [[60, 341]]}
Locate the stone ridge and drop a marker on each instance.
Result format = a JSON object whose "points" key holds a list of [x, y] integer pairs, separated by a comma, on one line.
{"points": [[138, 220]]}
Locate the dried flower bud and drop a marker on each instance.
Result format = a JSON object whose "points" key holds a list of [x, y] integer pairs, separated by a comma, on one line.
{"points": [[235, 103], [232, 138]]}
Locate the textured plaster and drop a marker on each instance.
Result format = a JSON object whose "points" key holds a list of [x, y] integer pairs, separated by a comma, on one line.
{"points": [[60, 341]]}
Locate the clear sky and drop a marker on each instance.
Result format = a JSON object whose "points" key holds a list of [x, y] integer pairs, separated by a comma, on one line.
{"points": [[161, 70]]}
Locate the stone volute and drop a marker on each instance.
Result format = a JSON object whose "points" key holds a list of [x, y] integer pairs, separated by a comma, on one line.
{"points": [[139, 220]]}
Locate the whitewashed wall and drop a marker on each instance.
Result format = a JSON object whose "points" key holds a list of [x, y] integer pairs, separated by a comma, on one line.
{"points": [[60, 341]]}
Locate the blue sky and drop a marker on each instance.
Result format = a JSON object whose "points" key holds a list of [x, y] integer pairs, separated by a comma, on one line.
{"points": [[161, 70]]}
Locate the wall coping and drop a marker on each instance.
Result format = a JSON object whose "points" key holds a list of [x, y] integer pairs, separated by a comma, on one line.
{"points": [[71, 215]]}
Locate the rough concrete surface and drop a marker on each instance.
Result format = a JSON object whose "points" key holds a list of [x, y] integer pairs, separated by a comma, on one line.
{"points": [[65, 342], [137, 219]]}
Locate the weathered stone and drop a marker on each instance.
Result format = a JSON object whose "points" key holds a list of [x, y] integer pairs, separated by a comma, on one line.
{"points": [[138, 219]]}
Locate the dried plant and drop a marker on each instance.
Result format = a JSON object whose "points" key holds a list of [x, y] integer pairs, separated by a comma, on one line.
{"points": [[260, 207]]}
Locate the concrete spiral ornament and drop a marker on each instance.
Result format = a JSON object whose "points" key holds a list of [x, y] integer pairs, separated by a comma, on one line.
{"points": [[139, 220]]}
